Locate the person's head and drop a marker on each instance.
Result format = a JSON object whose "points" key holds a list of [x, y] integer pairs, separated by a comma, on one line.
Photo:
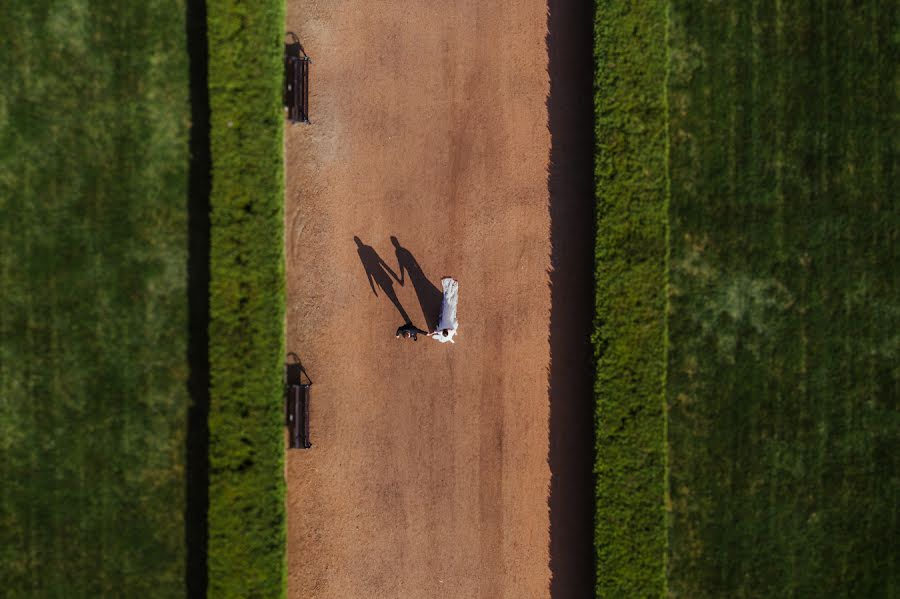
{"points": [[407, 334], [395, 242], [445, 332], [358, 241]]}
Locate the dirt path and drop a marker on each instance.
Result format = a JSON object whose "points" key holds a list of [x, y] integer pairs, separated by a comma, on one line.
{"points": [[429, 474]]}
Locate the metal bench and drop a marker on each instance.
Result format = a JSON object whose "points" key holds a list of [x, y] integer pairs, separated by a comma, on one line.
{"points": [[296, 81], [297, 416], [296, 403]]}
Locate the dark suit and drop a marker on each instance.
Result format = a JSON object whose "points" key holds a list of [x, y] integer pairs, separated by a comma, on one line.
{"points": [[413, 331]]}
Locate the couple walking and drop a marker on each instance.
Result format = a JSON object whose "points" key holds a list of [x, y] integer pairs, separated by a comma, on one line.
{"points": [[447, 324], [438, 306]]}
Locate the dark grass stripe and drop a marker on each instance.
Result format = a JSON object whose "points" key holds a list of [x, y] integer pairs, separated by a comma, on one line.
{"points": [[629, 338], [783, 368], [93, 327], [246, 495]]}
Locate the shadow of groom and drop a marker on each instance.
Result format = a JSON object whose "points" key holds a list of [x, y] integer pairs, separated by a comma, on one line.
{"points": [[380, 274]]}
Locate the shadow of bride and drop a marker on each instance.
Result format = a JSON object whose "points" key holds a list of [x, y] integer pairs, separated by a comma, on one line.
{"points": [[428, 294]]}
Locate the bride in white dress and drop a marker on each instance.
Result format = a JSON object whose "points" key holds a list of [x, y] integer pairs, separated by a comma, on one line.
{"points": [[448, 325]]}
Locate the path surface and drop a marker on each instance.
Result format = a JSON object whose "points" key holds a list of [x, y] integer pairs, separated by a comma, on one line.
{"points": [[429, 474]]}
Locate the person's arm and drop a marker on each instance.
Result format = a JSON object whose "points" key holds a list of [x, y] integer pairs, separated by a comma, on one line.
{"points": [[371, 283]]}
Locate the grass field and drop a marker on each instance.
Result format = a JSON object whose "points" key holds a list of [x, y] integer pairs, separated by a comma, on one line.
{"points": [[246, 334], [93, 328], [629, 338], [784, 356]]}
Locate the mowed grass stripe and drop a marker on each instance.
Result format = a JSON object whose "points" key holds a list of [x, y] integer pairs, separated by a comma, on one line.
{"points": [[629, 338], [93, 328], [784, 357], [246, 334]]}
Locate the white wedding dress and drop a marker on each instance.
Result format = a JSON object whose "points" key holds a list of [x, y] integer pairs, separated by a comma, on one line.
{"points": [[448, 311]]}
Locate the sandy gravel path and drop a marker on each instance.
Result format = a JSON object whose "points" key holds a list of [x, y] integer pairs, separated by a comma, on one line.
{"points": [[429, 473]]}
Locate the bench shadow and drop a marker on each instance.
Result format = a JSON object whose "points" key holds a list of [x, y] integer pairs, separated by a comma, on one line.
{"points": [[294, 370], [294, 49], [570, 185]]}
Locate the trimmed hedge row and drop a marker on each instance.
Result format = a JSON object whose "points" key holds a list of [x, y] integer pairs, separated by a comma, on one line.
{"points": [[246, 335], [629, 337]]}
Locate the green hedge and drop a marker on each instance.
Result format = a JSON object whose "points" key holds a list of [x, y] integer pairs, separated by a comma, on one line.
{"points": [[246, 334], [93, 324], [629, 338]]}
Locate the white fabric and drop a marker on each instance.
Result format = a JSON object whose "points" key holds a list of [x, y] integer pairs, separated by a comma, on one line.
{"points": [[439, 336], [448, 311]]}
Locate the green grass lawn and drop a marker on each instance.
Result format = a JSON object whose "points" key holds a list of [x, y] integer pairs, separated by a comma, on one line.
{"points": [[784, 328], [93, 324]]}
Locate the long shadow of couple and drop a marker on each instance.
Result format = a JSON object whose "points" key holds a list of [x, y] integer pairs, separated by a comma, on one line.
{"points": [[382, 275]]}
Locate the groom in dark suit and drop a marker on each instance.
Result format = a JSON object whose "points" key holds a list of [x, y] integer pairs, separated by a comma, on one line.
{"points": [[409, 330]]}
